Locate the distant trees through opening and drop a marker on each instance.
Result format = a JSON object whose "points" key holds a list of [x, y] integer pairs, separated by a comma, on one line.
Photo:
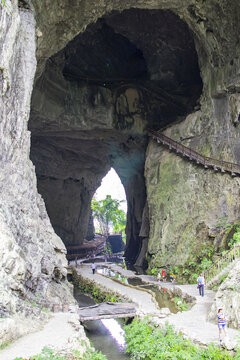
{"points": [[109, 210]]}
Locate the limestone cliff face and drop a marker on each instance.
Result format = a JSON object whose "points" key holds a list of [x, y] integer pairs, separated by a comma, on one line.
{"points": [[228, 296], [187, 201], [32, 257]]}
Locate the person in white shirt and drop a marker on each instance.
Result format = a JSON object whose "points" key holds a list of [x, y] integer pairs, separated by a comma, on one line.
{"points": [[93, 268], [200, 284]]}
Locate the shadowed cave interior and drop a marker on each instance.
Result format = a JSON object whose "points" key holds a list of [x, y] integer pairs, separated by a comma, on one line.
{"points": [[92, 106]]}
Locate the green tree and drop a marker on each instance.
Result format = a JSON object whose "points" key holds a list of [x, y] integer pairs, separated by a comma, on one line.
{"points": [[108, 215]]}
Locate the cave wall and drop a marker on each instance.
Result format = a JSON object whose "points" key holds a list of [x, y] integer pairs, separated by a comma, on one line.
{"points": [[32, 256], [78, 133], [186, 201]]}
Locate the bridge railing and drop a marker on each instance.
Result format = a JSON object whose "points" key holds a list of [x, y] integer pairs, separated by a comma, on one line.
{"points": [[223, 262], [193, 155]]}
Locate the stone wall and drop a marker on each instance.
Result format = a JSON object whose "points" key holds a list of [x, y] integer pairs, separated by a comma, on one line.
{"points": [[32, 256]]}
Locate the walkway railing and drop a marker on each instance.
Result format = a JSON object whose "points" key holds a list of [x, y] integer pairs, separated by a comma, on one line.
{"points": [[223, 262], [207, 162]]}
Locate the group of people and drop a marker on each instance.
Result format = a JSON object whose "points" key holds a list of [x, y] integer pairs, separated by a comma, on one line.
{"points": [[200, 285], [220, 314], [163, 276]]}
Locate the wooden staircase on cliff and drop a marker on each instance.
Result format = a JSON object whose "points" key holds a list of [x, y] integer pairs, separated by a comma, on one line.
{"points": [[207, 162], [216, 268]]}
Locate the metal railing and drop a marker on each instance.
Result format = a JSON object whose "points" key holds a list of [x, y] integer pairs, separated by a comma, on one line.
{"points": [[207, 162], [222, 263]]}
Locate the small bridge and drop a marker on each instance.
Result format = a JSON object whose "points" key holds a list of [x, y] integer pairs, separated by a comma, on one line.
{"points": [[207, 162], [107, 311]]}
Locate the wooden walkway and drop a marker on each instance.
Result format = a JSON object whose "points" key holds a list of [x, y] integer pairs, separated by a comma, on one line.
{"points": [[207, 162], [107, 311], [87, 249]]}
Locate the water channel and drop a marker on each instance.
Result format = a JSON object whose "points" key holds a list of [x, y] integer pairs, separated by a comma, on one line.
{"points": [[106, 335], [161, 295]]}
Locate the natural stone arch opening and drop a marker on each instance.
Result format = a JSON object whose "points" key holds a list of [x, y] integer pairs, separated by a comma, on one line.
{"points": [[91, 108], [110, 186]]}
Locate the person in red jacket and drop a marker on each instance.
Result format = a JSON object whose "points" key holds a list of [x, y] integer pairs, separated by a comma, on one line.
{"points": [[164, 275]]}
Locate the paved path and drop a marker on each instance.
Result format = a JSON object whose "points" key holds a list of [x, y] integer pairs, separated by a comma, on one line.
{"points": [[143, 299], [57, 333], [192, 323]]}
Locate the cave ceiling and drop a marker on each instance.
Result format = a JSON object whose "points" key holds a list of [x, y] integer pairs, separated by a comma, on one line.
{"points": [[92, 106]]}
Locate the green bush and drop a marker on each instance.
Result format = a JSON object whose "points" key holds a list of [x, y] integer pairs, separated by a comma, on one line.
{"points": [[181, 304], [197, 264], [145, 341]]}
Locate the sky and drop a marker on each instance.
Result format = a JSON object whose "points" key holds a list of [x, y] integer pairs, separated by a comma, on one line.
{"points": [[111, 185]]}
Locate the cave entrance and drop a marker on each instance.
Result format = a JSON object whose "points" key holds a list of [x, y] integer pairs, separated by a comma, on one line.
{"points": [[92, 106], [109, 209]]}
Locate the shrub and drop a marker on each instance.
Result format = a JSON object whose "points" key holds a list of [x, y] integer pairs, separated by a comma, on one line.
{"points": [[145, 341], [48, 354]]}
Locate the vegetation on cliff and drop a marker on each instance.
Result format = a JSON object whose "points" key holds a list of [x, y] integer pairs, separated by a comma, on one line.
{"points": [[204, 255]]}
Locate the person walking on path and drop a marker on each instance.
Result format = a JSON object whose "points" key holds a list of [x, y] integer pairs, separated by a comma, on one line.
{"points": [[221, 324], [159, 277], [200, 284], [164, 275], [93, 268]]}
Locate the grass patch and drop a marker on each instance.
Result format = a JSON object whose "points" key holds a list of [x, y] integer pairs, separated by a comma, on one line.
{"points": [[4, 345]]}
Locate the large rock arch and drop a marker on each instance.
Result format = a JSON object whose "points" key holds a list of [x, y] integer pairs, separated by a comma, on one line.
{"points": [[32, 256]]}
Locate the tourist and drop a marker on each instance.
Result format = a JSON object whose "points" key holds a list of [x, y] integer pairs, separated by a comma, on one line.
{"points": [[159, 277], [93, 268], [221, 323], [172, 277], [200, 284], [164, 275]]}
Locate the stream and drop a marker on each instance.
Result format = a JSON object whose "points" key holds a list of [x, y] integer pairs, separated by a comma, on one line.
{"points": [[106, 335]]}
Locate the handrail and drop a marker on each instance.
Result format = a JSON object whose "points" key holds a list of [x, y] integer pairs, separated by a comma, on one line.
{"points": [[223, 166], [220, 264]]}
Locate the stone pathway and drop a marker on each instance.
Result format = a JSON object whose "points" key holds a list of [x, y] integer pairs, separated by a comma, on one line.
{"points": [[63, 329], [192, 323], [61, 332], [143, 299]]}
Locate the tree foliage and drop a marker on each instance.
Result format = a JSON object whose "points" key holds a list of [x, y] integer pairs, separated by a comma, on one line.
{"points": [[108, 215]]}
